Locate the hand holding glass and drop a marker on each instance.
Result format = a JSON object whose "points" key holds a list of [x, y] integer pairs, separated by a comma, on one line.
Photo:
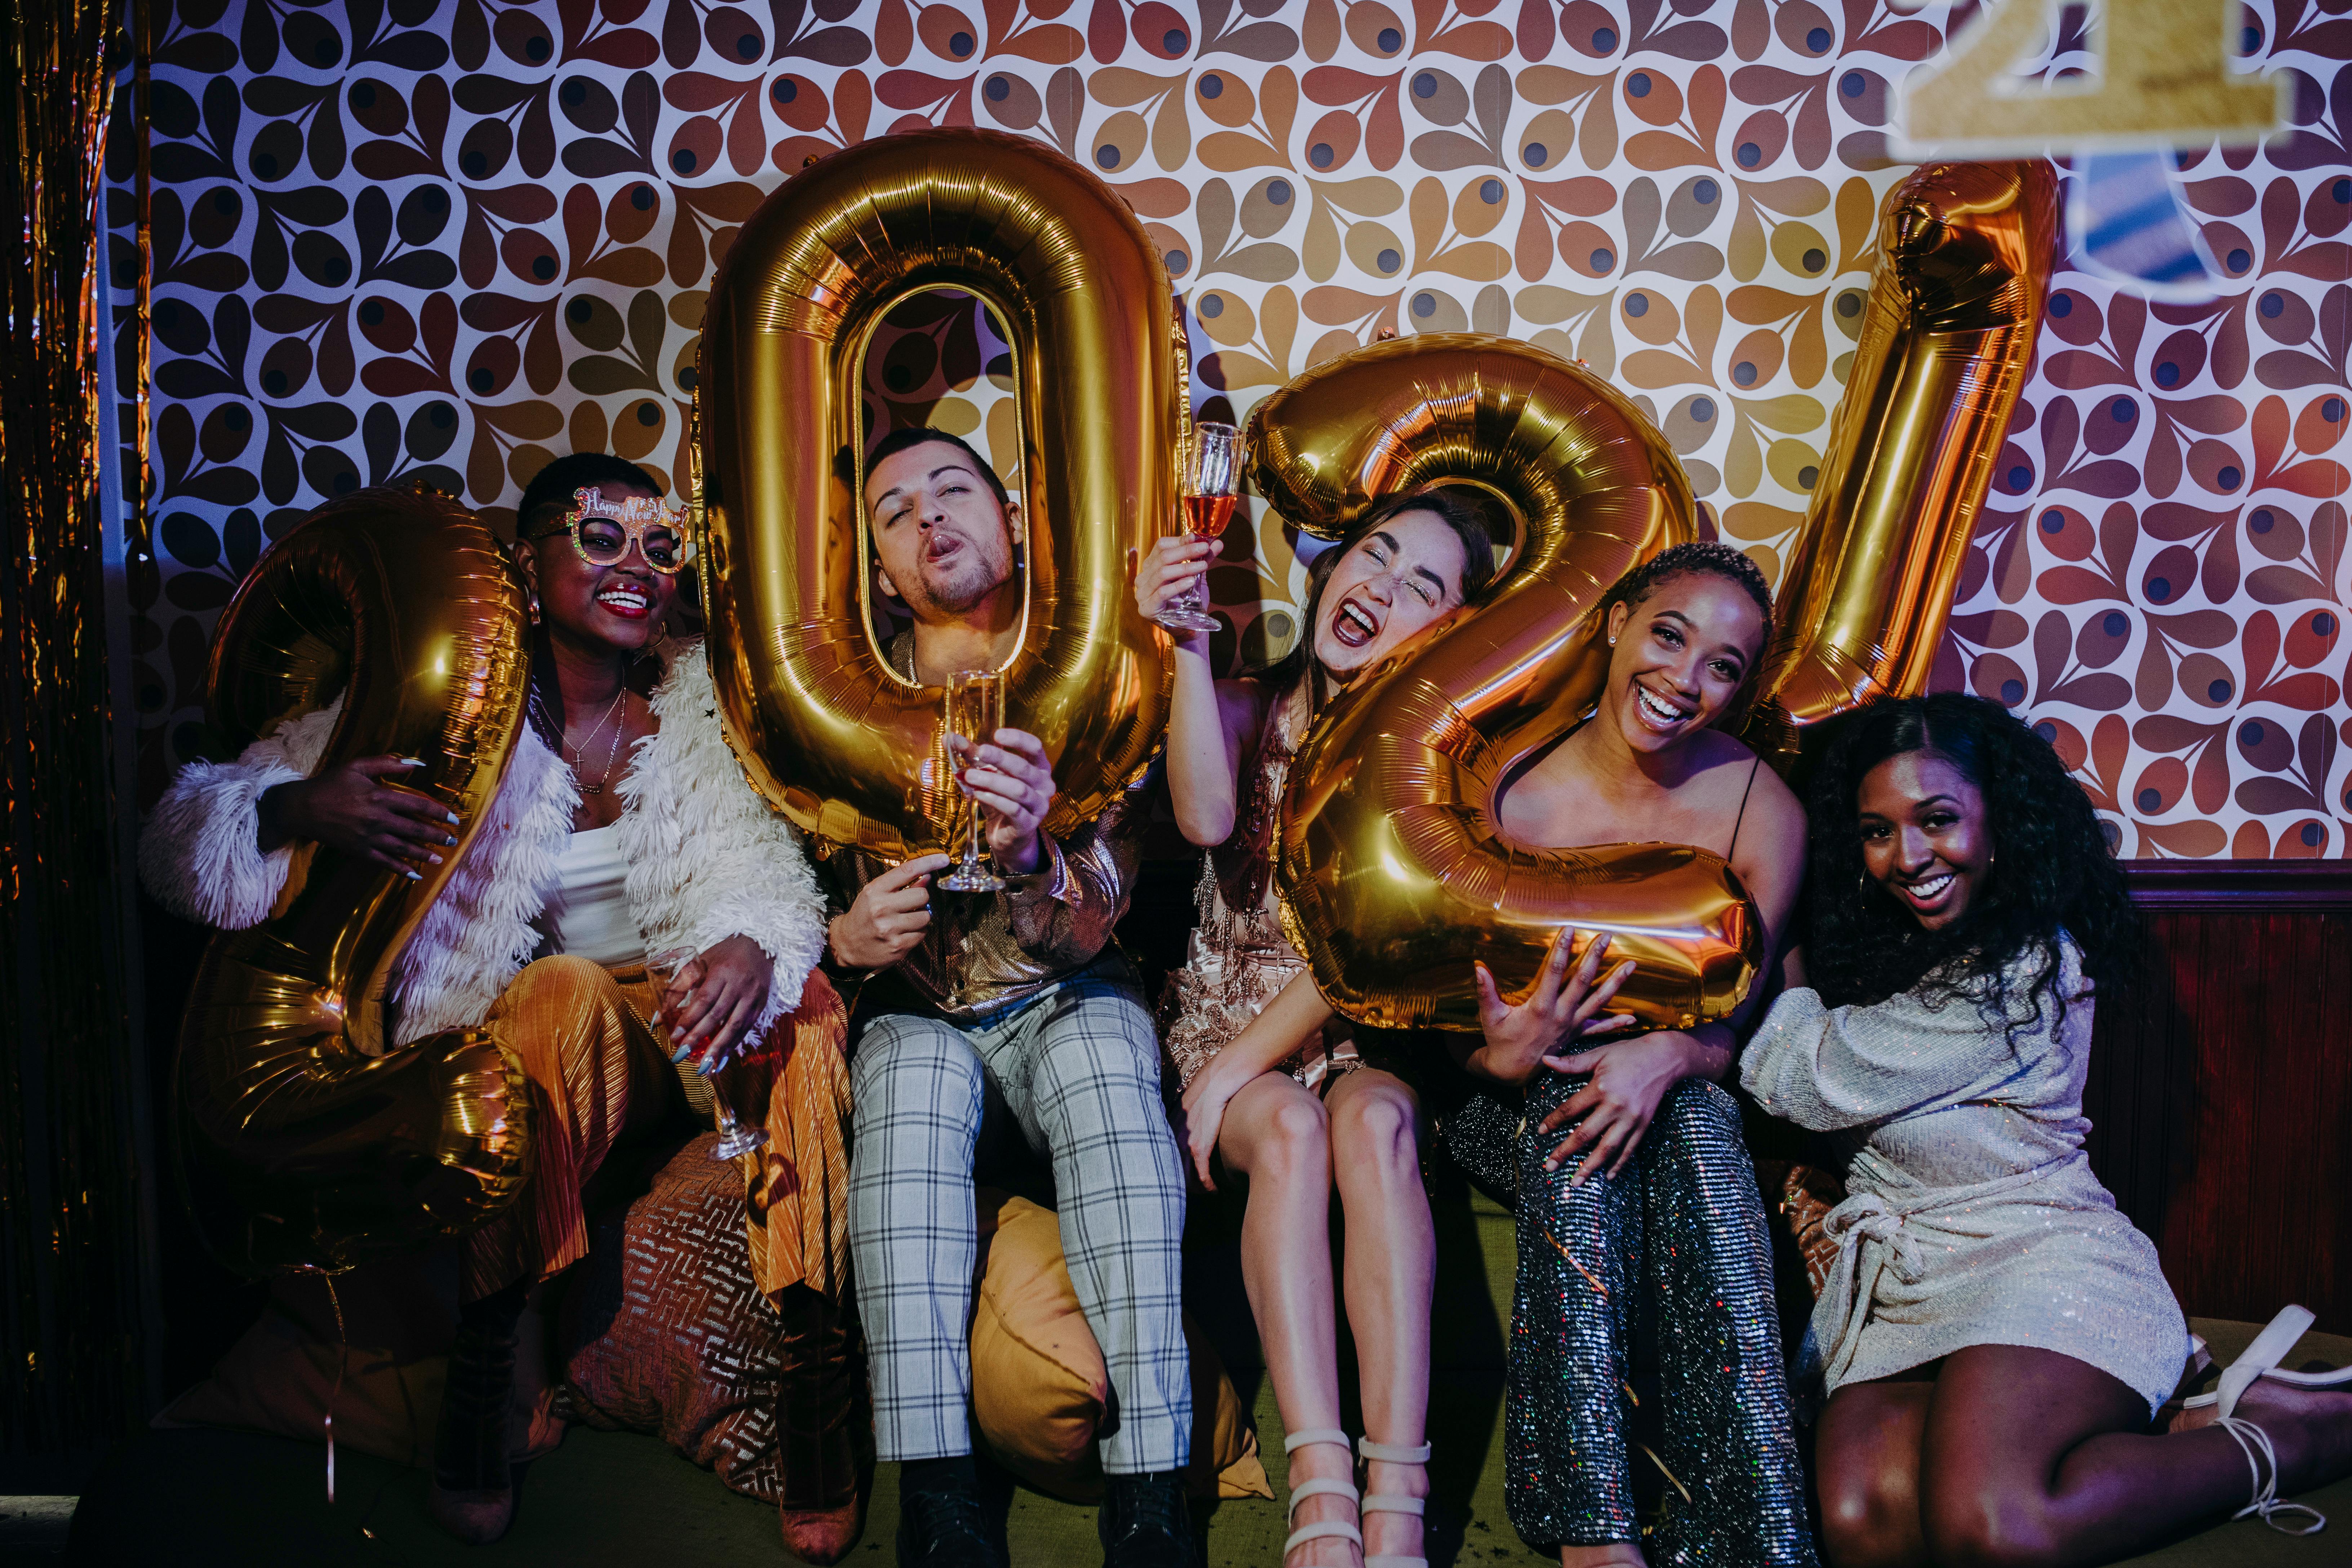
{"points": [[735, 1139], [975, 711], [1212, 483]]}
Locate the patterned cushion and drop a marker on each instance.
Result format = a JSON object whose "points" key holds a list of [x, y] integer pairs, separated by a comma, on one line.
{"points": [[664, 1329]]}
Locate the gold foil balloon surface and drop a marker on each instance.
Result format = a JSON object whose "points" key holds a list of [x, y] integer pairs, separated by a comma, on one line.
{"points": [[827, 731], [1964, 258], [303, 1141], [1393, 872]]}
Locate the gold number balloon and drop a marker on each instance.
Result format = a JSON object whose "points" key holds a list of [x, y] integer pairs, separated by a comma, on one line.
{"points": [[828, 732], [1393, 874], [303, 1141], [1964, 258]]}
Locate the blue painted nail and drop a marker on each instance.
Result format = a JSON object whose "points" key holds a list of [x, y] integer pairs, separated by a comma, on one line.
{"points": [[452, 816], [449, 841], [681, 1055], [413, 875]]}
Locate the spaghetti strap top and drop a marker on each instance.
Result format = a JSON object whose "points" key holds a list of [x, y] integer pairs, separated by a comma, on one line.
{"points": [[1743, 808]]}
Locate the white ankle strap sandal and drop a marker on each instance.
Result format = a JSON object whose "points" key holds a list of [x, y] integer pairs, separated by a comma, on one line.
{"points": [[1381, 1502], [1329, 1529], [2260, 1359]]}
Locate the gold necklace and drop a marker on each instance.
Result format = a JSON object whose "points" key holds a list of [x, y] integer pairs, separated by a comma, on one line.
{"points": [[580, 751]]}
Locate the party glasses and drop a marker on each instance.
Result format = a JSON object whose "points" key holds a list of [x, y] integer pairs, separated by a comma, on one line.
{"points": [[601, 530], [1212, 483]]}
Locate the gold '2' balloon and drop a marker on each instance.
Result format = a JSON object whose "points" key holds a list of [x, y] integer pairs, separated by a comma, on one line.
{"points": [[1392, 874], [304, 1142], [834, 738], [1392, 871]]}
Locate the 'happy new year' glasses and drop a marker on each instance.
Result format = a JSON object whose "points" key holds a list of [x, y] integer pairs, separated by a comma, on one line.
{"points": [[601, 530]]}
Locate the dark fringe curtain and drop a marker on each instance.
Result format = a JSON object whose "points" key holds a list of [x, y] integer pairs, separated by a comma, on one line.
{"points": [[72, 1344]]}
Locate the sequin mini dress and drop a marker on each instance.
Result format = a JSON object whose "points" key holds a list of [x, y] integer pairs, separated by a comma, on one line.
{"points": [[1237, 957], [1972, 1216]]}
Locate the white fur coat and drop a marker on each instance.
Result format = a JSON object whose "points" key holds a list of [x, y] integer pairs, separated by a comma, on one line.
{"points": [[706, 858]]}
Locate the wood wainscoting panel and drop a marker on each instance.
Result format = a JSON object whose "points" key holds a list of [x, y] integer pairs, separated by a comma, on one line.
{"points": [[2220, 1094]]}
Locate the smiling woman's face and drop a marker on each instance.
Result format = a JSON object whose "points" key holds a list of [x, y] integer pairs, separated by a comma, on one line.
{"points": [[1386, 590], [624, 607], [1924, 835], [1679, 658]]}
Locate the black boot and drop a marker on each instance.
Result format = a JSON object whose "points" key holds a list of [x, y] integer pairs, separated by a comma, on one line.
{"points": [[472, 1483], [945, 1520], [1146, 1521]]}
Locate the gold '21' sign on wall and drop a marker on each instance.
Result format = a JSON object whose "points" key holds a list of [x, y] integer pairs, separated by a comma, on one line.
{"points": [[2163, 80]]}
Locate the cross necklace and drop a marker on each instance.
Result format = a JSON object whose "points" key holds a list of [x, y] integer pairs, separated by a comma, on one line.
{"points": [[580, 751]]}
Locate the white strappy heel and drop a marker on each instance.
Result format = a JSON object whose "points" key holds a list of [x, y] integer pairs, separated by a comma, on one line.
{"points": [[2260, 1361], [1382, 1502], [1325, 1529]]}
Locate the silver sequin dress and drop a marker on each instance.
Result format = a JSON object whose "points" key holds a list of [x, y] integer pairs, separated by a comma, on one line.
{"points": [[1973, 1217]]}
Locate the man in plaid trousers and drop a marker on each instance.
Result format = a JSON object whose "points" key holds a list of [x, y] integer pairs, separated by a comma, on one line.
{"points": [[1046, 1032]]}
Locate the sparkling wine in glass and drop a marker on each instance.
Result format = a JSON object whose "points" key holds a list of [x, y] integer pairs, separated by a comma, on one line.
{"points": [[735, 1139], [1211, 480], [975, 711]]}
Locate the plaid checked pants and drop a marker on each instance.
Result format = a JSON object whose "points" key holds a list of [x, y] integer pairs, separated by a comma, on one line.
{"points": [[1078, 1069]]}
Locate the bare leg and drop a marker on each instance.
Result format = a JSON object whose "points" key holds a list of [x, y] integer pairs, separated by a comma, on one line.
{"points": [[2031, 1458], [1867, 1452], [1276, 1133], [1391, 1266]]}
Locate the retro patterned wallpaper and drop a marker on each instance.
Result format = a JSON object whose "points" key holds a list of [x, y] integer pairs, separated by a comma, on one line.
{"points": [[454, 236]]}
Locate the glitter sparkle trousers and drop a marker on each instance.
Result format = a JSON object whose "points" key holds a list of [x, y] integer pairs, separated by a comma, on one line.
{"points": [[1685, 1222]]}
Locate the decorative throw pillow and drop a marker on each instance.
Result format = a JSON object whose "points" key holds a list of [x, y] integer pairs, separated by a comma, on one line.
{"points": [[1039, 1383], [664, 1330]]}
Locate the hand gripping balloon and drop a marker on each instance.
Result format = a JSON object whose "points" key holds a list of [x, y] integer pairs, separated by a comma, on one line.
{"points": [[303, 1141], [832, 736], [1392, 873]]}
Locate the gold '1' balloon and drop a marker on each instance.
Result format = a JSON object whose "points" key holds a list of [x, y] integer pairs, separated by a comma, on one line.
{"points": [[1392, 875], [303, 1141], [1964, 258], [833, 736], [1392, 871]]}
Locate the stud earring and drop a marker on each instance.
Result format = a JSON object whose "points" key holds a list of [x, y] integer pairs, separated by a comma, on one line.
{"points": [[534, 609]]}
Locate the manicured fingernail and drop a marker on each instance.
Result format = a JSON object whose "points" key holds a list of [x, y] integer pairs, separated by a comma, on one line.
{"points": [[449, 840], [705, 1067], [434, 858], [681, 1055], [412, 762], [1552, 1164], [414, 875], [452, 816]]}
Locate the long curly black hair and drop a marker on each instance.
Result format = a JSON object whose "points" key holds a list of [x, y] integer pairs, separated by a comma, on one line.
{"points": [[2051, 871]]}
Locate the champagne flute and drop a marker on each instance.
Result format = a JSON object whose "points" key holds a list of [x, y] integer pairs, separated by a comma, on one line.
{"points": [[1212, 472], [735, 1140], [975, 711]]}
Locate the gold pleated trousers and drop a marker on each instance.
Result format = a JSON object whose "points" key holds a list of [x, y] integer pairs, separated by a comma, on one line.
{"points": [[600, 1074]]}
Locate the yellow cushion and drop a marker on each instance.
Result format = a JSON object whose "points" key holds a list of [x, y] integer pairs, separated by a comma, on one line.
{"points": [[1038, 1382]]}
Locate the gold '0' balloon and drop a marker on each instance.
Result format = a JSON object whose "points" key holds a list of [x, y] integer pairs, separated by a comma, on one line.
{"points": [[1393, 872], [304, 1141], [1964, 258], [827, 731]]}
